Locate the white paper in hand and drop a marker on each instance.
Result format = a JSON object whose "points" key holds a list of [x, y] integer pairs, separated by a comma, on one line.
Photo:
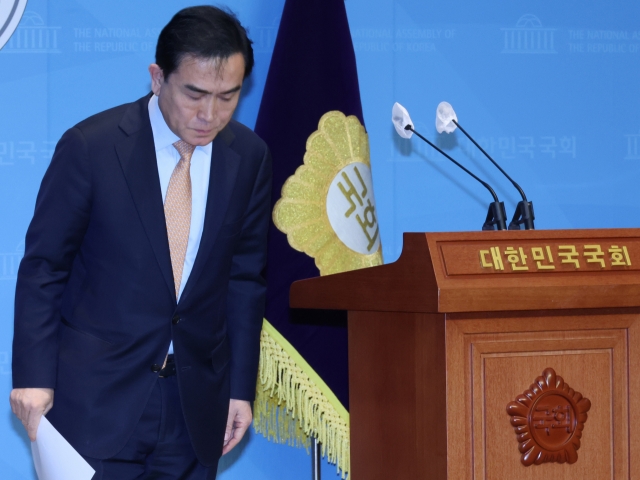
{"points": [[400, 118], [55, 459], [444, 118]]}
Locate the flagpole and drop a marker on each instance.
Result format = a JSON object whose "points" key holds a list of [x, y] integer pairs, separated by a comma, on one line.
{"points": [[315, 458]]}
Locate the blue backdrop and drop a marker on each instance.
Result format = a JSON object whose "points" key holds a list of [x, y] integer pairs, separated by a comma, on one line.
{"points": [[548, 88]]}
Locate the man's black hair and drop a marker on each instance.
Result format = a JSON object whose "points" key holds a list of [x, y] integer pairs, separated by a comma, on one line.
{"points": [[202, 32]]}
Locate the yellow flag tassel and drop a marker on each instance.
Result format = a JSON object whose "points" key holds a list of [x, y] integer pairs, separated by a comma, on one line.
{"points": [[293, 403]]}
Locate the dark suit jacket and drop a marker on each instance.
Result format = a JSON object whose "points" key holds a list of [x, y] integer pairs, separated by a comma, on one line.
{"points": [[95, 299]]}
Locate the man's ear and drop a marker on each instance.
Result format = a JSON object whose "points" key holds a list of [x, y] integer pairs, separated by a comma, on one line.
{"points": [[157, 78]]}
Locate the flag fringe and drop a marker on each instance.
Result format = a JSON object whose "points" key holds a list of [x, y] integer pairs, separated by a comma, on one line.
{"points": [[293, 403]]}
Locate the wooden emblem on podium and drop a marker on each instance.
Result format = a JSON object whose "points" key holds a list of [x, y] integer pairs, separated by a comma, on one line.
{"points": [[548, 420]]}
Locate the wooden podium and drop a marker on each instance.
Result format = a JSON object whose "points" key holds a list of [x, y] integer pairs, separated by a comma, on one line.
{"points": [[462, 325]]}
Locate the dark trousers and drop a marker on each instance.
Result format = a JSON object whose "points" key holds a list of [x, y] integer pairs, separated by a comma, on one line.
{"points": [[159, 447]]}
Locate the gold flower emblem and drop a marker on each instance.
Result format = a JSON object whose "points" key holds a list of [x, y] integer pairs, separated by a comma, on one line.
{"points": [[327, 208], [548, 420]]}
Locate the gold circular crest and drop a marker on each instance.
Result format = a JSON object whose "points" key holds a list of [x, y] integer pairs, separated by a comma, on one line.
{"points": [[301, 213], [548, 420]]}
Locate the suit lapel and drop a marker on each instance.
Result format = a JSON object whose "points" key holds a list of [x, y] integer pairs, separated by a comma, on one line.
{"points": [[225, 164], [137, 157]]}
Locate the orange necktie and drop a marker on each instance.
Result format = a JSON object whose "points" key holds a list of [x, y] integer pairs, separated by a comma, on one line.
{"points": [[177, 210]]}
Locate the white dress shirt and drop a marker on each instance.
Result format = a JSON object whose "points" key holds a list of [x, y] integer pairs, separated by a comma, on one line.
{"points": [[168, 157]]}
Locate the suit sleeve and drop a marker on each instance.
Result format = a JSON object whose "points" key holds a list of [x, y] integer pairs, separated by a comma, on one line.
{"points": [[247, 287], [53, 239]]}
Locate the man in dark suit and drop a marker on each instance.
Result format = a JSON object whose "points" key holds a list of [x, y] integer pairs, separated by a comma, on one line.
{"points": [[140, 298]]}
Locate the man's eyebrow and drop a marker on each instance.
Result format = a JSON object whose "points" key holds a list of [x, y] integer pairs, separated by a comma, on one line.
{"points": [[193, 88], [231, 90]]}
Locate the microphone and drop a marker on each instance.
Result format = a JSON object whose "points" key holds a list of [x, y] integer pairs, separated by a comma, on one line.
{"points": [[496, 216], [447, 121]]}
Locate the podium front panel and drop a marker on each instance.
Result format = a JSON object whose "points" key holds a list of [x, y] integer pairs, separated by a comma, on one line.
{"points": [[493, 360]]}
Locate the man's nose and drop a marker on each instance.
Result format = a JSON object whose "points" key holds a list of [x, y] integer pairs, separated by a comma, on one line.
{"points": [[207, 109]]}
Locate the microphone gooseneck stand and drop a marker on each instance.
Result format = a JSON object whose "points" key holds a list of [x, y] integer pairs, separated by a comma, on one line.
{"points": [[496, 216], [524, 211]]}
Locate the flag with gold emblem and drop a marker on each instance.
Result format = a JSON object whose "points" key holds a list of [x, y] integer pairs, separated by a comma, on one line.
{"points": [[324, 222]]}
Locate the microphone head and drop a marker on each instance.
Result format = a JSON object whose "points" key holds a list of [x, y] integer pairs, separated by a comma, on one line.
{"points": [[444, 118], [400, 118]]}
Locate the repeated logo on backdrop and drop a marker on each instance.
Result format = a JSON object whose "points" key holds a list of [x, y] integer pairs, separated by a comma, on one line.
{"points": [[9, 262], [33, 36], [633, 146], [10, 15], [529, 36]]}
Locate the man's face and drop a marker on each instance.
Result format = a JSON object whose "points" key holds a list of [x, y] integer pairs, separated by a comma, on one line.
{"points": [[198, 99]]}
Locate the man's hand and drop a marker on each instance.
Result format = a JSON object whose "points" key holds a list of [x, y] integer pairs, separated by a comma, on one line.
{"points": [[237, 423], [29, 404]]}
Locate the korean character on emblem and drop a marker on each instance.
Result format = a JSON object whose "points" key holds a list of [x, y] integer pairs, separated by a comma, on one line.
{"points": [[352, 192], [548, 418], [367, 222]]}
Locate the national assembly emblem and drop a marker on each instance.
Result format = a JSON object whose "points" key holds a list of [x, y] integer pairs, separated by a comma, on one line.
{"points": [[327, 208], [548, 419], [10, 14]]}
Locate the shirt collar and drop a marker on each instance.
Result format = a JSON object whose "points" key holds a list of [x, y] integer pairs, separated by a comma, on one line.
{"points": [[163, 137]]}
